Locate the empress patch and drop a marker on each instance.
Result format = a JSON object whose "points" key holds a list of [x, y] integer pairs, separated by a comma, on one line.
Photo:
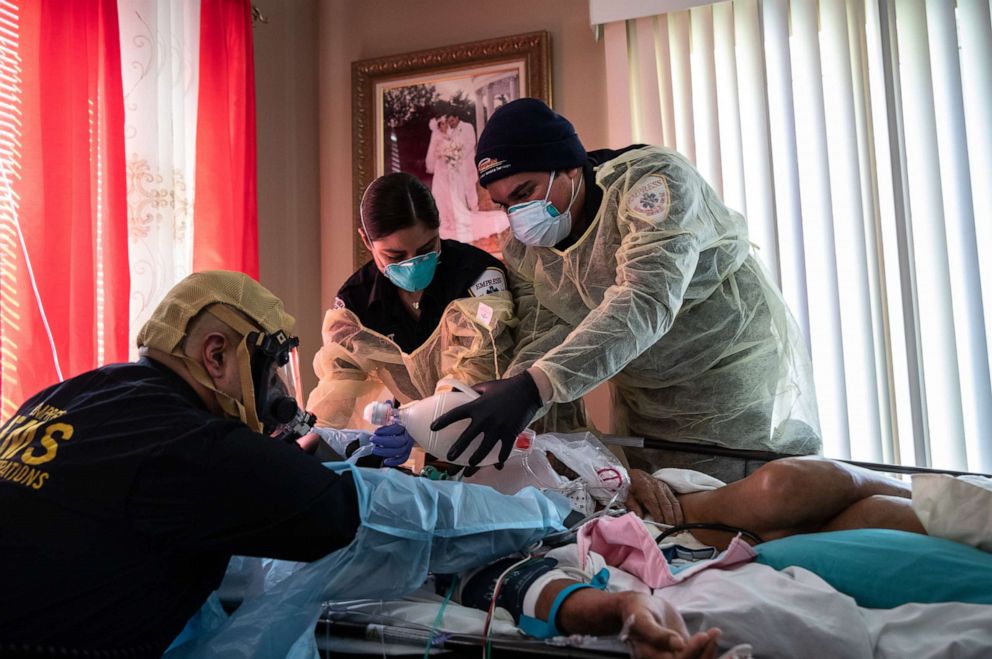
{"points": [[492, 280]]}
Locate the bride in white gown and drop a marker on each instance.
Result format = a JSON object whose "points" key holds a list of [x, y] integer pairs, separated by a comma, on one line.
{"points": [[446, 160]]}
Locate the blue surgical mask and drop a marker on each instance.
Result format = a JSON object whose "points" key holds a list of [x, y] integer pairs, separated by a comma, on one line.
{"points": [[413, 274], [538, 223]]}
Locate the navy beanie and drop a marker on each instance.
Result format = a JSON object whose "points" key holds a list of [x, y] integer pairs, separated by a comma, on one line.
{"points": [[526, 136]]}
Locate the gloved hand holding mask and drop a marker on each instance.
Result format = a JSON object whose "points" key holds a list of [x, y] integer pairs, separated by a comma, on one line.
{"points": [[393, 443], [500, 414]]}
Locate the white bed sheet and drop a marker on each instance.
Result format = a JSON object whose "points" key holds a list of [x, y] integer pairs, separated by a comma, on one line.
{"points": [[794, 613]]}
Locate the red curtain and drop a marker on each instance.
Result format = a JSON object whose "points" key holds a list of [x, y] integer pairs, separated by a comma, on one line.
{"points": [[225, 213], [64, 278], [63, 231]]}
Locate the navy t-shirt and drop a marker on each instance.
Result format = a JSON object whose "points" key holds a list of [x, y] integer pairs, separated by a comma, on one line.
{"points": [[123, 499]]}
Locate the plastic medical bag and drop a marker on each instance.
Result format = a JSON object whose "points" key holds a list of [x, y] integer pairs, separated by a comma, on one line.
{"points": [[604, 476], [601, 476]]}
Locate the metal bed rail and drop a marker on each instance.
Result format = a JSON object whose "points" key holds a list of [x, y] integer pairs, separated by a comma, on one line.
{"points": [[339, 637], [708, 449]]}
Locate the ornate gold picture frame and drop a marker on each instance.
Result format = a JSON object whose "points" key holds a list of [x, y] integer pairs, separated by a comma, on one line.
{"points": [[422, 112]]}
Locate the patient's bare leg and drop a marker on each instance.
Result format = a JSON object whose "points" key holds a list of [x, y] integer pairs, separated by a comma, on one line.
{"points": [[803, 495], [877, 512]]}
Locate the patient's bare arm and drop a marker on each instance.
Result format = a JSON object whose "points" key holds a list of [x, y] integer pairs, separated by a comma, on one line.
{"points": [[529, 588]]}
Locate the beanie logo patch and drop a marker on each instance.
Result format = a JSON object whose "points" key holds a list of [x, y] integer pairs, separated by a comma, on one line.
{"points": [[491, 165], [649, 198]]}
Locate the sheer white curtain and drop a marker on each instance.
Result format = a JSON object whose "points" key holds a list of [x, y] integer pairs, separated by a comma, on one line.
{"points": [[160, 64], [857, 139]]}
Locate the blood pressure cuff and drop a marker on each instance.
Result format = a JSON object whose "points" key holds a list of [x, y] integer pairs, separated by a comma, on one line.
{"points": [[478, 590]]}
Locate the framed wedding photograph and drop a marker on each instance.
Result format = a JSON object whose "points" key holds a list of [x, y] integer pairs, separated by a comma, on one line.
{"points": [[422, 113]]}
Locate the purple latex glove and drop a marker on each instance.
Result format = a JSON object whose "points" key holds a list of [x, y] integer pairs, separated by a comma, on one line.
{"points": [[393, 443]]}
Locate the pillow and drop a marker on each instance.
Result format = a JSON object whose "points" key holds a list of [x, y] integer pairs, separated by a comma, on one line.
{"points": [[955, 508], [882, 568]]}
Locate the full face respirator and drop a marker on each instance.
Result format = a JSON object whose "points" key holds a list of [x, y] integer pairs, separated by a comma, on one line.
{"points": [[270, 394], [275, 374]]}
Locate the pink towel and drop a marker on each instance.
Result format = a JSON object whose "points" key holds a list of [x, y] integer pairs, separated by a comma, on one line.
{"points": [[624, 542]]}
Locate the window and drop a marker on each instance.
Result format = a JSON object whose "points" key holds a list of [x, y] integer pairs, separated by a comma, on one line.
{"points": [[856, 137]]}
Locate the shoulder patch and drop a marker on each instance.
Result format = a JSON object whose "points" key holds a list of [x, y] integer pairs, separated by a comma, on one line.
{"points": [[338, 303], [492, 280], [649, 198]]}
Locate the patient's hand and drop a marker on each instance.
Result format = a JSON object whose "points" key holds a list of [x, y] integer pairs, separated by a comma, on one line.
{"points": [[653, 628], [649, 625], [650, 496]]}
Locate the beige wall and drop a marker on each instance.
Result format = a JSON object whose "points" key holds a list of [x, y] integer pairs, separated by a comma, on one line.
{"points": [[288, 185], [303, 77]]}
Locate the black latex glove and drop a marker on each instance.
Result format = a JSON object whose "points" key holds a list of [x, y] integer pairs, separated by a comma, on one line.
{"points": [[500, 414]]}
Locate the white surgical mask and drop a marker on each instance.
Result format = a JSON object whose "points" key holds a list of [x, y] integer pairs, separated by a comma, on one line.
{"points": [[538, 222]]}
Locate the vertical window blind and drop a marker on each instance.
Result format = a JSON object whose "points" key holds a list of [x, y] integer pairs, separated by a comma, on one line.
{"points": [[856, 137]]}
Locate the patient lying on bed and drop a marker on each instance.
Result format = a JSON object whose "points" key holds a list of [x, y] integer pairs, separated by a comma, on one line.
{"points": [[872, 585], [783, 498], [883, 590]]}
